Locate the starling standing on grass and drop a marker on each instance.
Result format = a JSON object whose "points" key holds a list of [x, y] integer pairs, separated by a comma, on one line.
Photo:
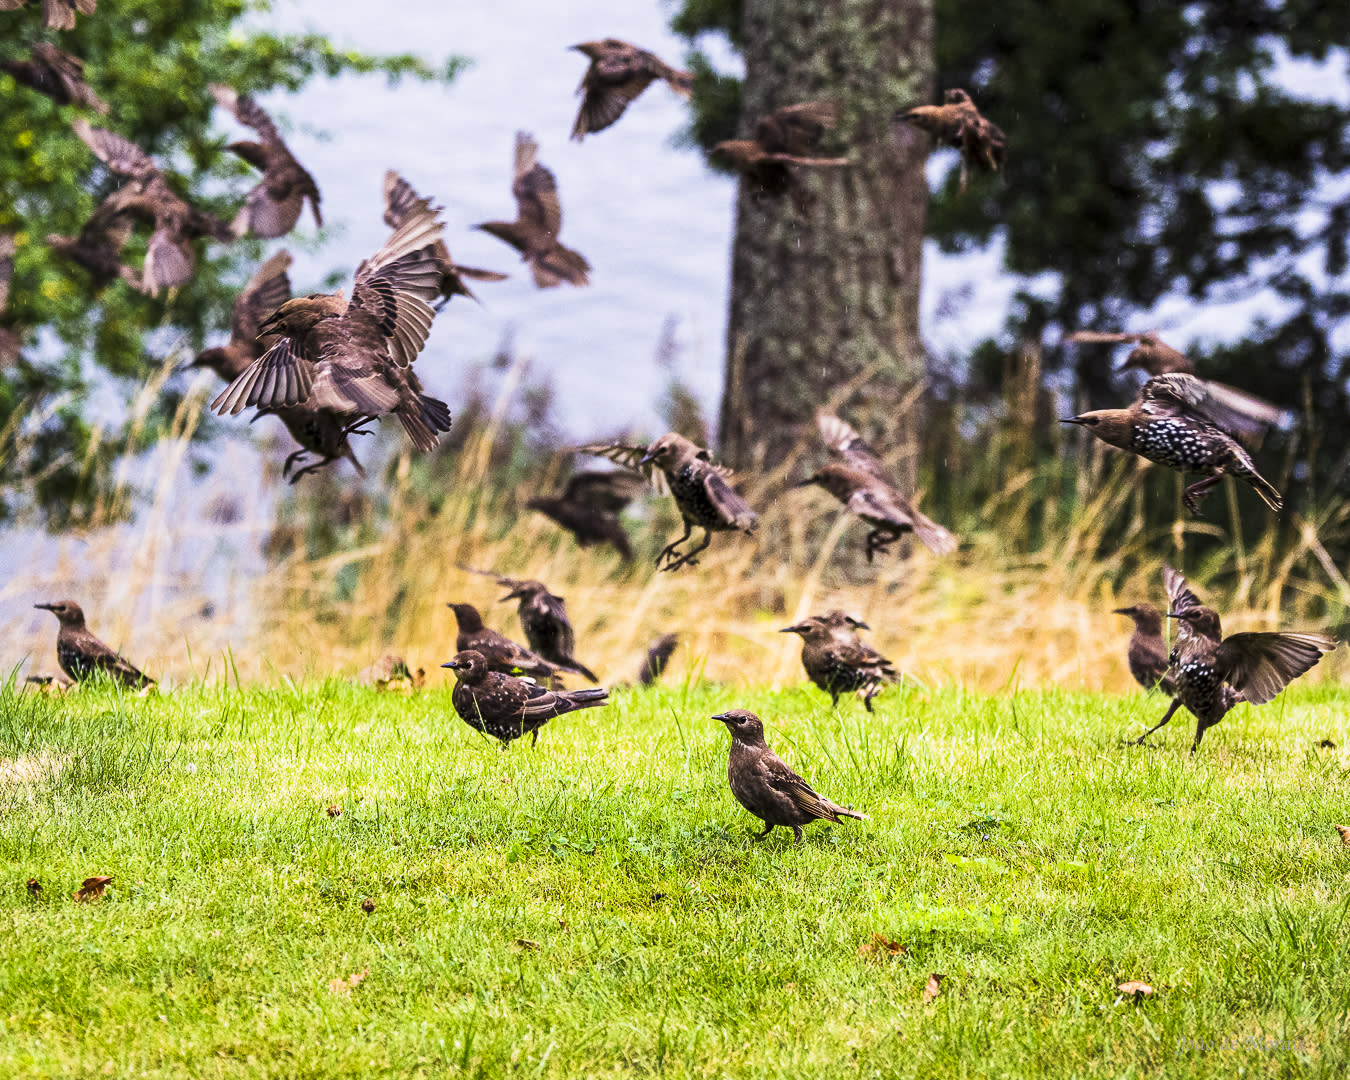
{"points": [[534, 233], [700, 489], [56, 73], [506, 707], [859, 480], [764, 784], [618, 74], [1176, 423], [958, 123], [837, 661], [56, 14], [82, 656], [400, 202], [273, 207], [589, 507], [787, 136], [498, 651], [1147, 653]]}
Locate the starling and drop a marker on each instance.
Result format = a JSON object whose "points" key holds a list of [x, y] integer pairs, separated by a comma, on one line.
{"points": [[543, 617], [506, 707], [700, 489], [534, 233], [1147, 654], [392, 673], [273, 207], [169, 258], [787, 136], [838, 661], [401, 201], [98, 248], [958, 123], [1176, 423], [498, 651], [589, 507], [658, 656], [56, 73], [56, 14], [1245, 415], [618, 74], [355, 357], [1211, 673], [859, 480], [764, 784], [82, 656]]}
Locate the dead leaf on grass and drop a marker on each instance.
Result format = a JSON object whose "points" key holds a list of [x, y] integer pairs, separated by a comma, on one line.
{"points": [[881, 947], [90, 889], [1344, 830], [335, 810], [933, 987], [1136, 989], [526, 943], [351, 982]]}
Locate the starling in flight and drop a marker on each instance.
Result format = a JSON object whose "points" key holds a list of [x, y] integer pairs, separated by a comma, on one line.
{"points": [[98, 248], [56, 73], [958, 123], [506, 707], [82, 656], [400, 201], [589, 507], [787, 136], [56, 14], [618, 73]]}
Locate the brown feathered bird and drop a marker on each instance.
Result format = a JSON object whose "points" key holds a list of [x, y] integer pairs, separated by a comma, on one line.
{"points": [[543, 617], [765, 785], [1147, 651], [838, 661], [401, 201], [169, 256], [82, 656], [700, 488], [786, 137], [499, 652], [590, 504], [860, 480], [618, 74], [391, 673], [658, 657], [56, 14], [273, 207], [1211, 673], [354, 357], [506, 707], [56, 73], [958, 123], [1175, 422], [534, 233], [321, 432], [98, 248]]}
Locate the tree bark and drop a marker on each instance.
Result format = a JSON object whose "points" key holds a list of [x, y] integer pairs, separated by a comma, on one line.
{"points": [[832, 295]]}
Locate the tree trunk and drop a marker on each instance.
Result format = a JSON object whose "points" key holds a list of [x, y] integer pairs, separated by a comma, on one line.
{"points": [[832, 295]]}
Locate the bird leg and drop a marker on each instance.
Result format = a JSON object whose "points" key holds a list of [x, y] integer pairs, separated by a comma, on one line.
{"points": [[358, 427], [291, 460], [797, 831], [534, 738], [1192, 495], [668, 552], [688, 557], [880, 540], [869, 693], [312, 468], [760, 836], [1176, 704]]}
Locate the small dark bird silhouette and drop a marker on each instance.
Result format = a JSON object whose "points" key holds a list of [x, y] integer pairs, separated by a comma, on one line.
{"points": [[543, 617], [589, 507], [506, 707], [321, 432], [534, 233], [658, 656], [499, 652], [859, 480], [273, 207], [355, 357], [1174, 422], [1147, 653], [700, 488], [56, 14], [787, 136], [764, 784], [400, 202], [958, 123], [838, 661], [617, 75], [1211, 673], [56, 73], [169, 256], [82, 656]]}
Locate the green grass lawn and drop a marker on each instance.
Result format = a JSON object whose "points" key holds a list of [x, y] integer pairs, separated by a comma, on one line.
{"points": [[594, 905]]}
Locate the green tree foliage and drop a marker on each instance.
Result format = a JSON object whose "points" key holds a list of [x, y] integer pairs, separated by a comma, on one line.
{"points": [[152, 62]]}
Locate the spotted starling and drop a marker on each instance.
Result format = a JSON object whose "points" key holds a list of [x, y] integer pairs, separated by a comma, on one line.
{"points": [[958, 123], [534, 233], [273, 207], [658, 656], [1147, 654], [787, 136], [1174, 422], [82, 656], [618, 73], [355, 357], [499, 652], [858, 479], [837, 661], [1211, 673], [700, 489], [543, 617], [169, 256], [56, 73], [589, 507], [764, 784], [506, 707], [56, 14], [401, 201]]}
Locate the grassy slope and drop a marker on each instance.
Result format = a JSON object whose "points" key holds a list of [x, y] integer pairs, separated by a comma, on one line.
{"points": [[666, 942]]}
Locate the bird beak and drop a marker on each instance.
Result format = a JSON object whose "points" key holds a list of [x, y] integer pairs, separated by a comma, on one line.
{"points": [[514, 594], [267, 326], [725, 718], [646, 459], [451, 664], [45, 607], [1174, 615], [860, 625], [1070, 419], [792, 629], [805, 483], [1121, 611]]}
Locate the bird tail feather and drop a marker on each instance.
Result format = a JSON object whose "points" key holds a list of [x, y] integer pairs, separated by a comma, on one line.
{"points": [[432, 416], [587, 698]]}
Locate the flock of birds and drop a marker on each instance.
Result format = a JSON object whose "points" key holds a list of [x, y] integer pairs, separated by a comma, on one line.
{"points": [[328, 365]]}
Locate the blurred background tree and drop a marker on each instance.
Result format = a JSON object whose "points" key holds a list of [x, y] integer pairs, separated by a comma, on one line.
{"points": [[85, 352]]}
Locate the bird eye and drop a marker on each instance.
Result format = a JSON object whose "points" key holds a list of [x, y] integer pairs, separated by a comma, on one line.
{"points": [[1092, 421]]}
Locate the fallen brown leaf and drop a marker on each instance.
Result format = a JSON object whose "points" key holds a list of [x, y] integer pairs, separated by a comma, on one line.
{"points": [[368, 905], [351, 982], [34, 886], [1344, 830], [335, 810], [526, 943], [933, 987], [881, 946], [1136, 989], [90, 889]]}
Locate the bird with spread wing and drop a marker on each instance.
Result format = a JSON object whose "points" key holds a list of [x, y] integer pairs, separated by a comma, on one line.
{"points": [[617, 76]]}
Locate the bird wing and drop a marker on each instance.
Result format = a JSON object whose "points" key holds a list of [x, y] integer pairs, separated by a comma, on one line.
{"points": [[551, 607], [558, 264], [403, 320], [1179, 596], [247, 111], [405, 260], [6, 268], [69, 71], [610, 86], [1242, 413], [727, 500], [776, 773], [280, 377], [262, 294], [658, 656], [608, 491], [1099, 337], [796, 129], [535, 189], [120, 154], [844, 442], [169, 261], [401, 200], [629, 456], [1261, 665]]}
